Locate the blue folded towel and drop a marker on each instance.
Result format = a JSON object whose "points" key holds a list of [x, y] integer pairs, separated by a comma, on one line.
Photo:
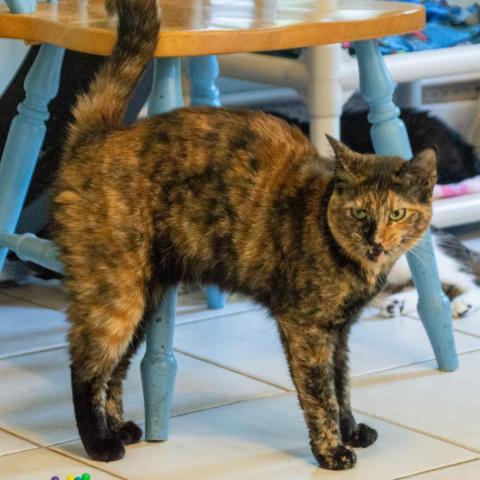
{"points": [[446, 26]]}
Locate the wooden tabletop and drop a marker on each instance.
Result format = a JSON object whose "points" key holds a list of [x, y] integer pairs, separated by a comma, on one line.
{"points": [[205, 27]]}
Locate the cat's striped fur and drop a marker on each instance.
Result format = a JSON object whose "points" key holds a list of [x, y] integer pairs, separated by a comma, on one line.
{"points": [[235, 198]]}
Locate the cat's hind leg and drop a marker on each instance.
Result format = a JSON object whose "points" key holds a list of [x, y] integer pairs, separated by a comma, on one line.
{"points": [[128, 431], [103, 327]]}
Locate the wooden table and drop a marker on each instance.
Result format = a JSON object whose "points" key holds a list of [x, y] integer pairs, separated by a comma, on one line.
{"points": [[203, 28]]}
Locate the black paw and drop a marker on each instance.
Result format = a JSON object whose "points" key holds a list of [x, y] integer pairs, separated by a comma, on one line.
{"points": [[104, 449], [361, 436], [130, 433], [339, 458]]}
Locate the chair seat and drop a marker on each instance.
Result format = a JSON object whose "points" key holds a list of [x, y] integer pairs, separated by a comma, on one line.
{"points": [[203, 28]]}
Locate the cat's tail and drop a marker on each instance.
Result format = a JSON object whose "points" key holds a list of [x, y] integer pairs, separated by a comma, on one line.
{"points": [[104, 104]]}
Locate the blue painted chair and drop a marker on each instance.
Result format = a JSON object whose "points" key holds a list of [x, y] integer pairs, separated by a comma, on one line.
{"points": [[388, 132]]}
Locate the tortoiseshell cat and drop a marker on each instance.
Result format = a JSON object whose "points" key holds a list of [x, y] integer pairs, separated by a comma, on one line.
{"points": [[235, 198]]}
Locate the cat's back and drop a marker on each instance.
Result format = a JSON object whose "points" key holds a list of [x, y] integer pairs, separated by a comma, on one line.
{"points": [[205, 136], [227, 160], [192, 149]]}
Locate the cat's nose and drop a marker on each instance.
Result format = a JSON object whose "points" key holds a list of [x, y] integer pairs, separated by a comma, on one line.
{"points": [[377, 249]]}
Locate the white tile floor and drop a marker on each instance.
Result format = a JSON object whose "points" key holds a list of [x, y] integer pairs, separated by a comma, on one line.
{"points": [[235, 416]]}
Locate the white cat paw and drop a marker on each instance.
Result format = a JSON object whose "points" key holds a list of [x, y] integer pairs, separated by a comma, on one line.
{"points": [[392, 307], [465, 304], [403, 303]]}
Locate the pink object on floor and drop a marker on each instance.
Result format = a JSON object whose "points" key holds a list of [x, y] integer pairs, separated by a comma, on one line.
{"points": [[470, 185]]}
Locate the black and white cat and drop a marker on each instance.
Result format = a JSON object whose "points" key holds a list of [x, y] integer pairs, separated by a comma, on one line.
{"points": [[459, 270]]}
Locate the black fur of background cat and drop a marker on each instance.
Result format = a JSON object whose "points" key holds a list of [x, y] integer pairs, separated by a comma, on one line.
{"points": [[457, 159]]}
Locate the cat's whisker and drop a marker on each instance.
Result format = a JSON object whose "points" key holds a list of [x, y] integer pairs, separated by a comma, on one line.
{"points": [[440, 260], [413, 252], [422, 261]]}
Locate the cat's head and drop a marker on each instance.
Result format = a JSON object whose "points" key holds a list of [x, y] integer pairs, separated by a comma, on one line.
{"points": [[380, 206]]}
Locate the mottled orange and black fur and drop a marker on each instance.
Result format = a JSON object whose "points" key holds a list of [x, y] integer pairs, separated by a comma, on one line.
{"points": [[235, 198]]}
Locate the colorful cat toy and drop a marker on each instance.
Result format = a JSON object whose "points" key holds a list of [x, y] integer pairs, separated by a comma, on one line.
{"points": [[85, 476]]}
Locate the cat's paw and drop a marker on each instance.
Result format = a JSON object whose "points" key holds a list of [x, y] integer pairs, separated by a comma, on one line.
{"points": [[362, 436], [465, 304], [130, 433], [339, 458], [104, 449], [403, 303], [460, 309], [393, 307]]}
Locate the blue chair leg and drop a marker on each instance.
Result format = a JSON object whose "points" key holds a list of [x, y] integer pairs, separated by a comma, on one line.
{"points": [[21, 6], [159, 366], [203, 72], [390, 137], [24, 6], [26, 136]]}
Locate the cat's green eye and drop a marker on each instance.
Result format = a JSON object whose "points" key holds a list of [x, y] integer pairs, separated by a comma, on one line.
{"points": [[397, 215], [359, 213]]}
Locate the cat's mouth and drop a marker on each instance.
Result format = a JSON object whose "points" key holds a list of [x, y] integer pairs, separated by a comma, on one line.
{"points": [[377, 255]]}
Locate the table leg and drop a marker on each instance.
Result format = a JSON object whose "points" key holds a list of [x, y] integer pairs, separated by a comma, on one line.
{"points": [[324, 95], [203, 71]]}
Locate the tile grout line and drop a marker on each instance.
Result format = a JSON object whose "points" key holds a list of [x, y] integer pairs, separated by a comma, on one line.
{"points": [[475, 335], [39, 445], [419, 431], [85, 463], [431, 470], [56, 447], [233, 402], [215, 317], [183, 414], [21, 437], [63, 310], [32, 302], [59, 346], [252, 308], [417, 362], [285, 389], [48, 448], [455, 329], [232, 369]]}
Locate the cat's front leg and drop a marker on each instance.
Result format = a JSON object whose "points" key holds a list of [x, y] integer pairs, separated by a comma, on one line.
{"points": [[353, 434], [310, 353]]}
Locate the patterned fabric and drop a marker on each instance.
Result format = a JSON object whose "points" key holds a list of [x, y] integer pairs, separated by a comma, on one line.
{"points": [[447, 26]]}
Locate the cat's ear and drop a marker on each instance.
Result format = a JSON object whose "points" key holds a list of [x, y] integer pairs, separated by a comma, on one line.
{"points": [[422, 168], [348, 164], [339, 148]]}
